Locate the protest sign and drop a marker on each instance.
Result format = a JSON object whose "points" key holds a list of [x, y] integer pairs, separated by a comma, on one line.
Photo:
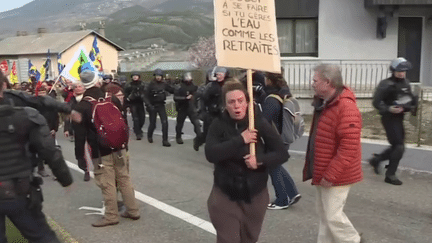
{"points": [[246, 34]]}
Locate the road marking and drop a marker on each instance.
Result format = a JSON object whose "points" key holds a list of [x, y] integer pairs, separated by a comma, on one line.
{"points": [[198, 222], [366, 162]]}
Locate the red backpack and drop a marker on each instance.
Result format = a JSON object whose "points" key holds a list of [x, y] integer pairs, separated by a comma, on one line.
{"points": [[110, 125]]}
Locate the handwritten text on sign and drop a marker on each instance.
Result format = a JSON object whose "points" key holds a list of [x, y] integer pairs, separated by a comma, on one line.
{"points": [[246, 32]]}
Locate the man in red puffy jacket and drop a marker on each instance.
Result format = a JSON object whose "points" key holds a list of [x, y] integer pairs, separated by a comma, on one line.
{"points": [[333, 159]]}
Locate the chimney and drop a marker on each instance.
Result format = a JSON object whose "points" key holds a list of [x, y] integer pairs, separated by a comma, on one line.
{"points": [[83, 25], [102, 28], [41, 31]]}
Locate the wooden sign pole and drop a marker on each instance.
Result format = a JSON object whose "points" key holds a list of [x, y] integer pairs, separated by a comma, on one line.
{"points": [[251, 108]]}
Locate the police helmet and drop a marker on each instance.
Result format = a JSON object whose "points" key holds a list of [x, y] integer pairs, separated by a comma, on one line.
{"points": [[211, 75], [107, 76], [400, 65], [122, 79], [187, 76], [220, 70], [158, 72], [135, 74]]}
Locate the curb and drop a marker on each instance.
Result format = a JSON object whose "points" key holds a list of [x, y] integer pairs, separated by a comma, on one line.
{"points": [[61, 233]]}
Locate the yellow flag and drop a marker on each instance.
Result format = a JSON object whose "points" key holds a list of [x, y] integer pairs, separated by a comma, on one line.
{"points": [[13, 75]]}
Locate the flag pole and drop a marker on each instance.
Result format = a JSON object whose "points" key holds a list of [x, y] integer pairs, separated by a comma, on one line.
{"points": [[58, 78], [251, 108]]}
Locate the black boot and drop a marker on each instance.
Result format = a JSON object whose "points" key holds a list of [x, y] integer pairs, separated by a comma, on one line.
{"points": [[179, 140], [150, 139], [165, 143], [375, 162], [393, 180]]}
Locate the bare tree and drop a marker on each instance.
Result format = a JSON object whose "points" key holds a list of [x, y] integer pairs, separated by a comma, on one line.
{"points": [[203, 54]]}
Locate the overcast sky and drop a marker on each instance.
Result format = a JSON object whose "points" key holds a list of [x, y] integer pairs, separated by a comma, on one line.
{"points": [[11, 4]]}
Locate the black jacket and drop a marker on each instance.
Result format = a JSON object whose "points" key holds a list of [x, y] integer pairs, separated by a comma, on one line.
{"points": [[213, 97], [225, 148], [272, 108], [156, 92], [393, 91], [182, 92], [20, 130], [135, 93], [86, 131]]}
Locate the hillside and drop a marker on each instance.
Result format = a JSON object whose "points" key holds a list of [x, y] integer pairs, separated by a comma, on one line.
{"points": [[129, 23]]}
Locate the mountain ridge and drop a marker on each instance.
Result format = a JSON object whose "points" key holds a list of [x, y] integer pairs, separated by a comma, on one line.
{"points": [[154, 19]]}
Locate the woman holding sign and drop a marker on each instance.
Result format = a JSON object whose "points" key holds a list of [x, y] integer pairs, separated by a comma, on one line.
{"points": [[239, 198]]}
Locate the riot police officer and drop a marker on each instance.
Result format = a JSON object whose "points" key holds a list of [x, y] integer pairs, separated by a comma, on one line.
{"points": [[212, 99], [392, 98], [156, 94], [135, 97], [183, 96], [20, 193]]}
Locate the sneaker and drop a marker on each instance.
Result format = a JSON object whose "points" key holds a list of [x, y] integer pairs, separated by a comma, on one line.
{"points": [[375, 162], [86, 176], [277, 207], [295, 199], [393, 180], [179, 140]]}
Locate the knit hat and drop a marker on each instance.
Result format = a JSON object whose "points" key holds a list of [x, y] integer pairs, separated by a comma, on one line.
{"points": [[89, 79]]}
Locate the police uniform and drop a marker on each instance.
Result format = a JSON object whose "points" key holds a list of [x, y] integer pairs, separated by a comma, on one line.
{"points": [[20, 195], [185, 108], [156, 94], [393, 92], [135, 99]]}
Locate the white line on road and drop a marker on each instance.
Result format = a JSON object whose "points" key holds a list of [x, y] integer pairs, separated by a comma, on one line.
{"points": [[198, 222]]}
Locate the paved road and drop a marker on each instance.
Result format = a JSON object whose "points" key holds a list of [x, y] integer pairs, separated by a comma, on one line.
{"points": [[174, 183]]}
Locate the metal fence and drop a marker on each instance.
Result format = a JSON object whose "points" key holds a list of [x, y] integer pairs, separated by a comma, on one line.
{"points": [[360, 75]]}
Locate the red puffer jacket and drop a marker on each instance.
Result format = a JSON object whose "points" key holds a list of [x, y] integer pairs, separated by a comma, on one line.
{"points": [[336, 144]]}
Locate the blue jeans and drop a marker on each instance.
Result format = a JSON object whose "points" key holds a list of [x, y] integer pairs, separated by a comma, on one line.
{"points": [[31, 223], [284, 186]]}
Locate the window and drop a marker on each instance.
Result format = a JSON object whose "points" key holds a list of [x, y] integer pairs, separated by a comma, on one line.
{"points": [[298, 37]]}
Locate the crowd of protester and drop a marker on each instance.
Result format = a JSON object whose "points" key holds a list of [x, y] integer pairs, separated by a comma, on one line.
{"points": [[239, 197]]}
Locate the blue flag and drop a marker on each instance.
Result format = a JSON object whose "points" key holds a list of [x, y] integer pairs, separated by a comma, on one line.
{"points": [[33, 72]]}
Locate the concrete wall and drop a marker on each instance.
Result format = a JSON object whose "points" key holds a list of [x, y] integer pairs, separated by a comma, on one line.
{"points": [[347, 30], [347, 34], [108, 52]]}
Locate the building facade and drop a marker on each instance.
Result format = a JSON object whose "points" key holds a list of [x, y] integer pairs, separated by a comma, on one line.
{"points": [[35, 48], [362, 36]]}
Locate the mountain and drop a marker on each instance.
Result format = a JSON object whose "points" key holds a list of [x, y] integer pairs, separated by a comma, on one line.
{"points": [[132, 26], [129, 23], [205, 7]]}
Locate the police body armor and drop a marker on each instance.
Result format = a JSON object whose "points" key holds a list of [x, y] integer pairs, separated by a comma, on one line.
{"points": [[14, 127], [157, 93]]}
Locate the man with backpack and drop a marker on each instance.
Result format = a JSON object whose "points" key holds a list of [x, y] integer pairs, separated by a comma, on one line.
{"points": [[274, 111], [103, 127]]}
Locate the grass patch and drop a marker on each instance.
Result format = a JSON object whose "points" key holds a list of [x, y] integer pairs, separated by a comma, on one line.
{"points": [[12, 233]]}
